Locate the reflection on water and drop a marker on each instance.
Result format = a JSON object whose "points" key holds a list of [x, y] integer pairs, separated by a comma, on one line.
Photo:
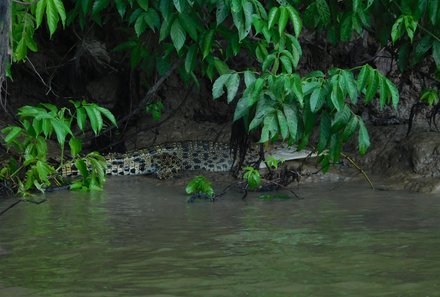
{"points": [[140, 238]]}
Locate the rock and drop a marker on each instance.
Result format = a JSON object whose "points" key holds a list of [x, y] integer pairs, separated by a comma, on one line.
{"points": [[104, 90], [424, 151]]}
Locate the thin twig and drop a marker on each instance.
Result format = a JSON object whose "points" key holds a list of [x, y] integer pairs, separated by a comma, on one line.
{"points": [[359, 168], [142, 104], [9, 207], [285, 188], [156, 125]]}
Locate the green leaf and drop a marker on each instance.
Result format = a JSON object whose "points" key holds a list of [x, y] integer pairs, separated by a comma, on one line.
{"points": [[373, 80], [221, 66], [31, 44], [285, 61], [107, 113], [393, 91], [241, 109], [190, 60], [383, 92], [282, 122], [61, 130], [263, 109], [39, 12], [397, 29], [178, 5], [248, 11], [253, 177], [165, 29], [270, 127], [433, 11], [46, 127], [13, 132], [410, 26], [43, 170], [189, 24], [151, 17], [37, 125], [199, 184], [81, 118], [282, 20], [346, 27], [316, 100], [94, 121], [232, 85], [135, 15], [324, 131], [337, 97], [178, 35], [85, 5], [297, 88], [273, 16], [423, 46], [335, 147], [41, 146], [121, 7], [140, 25], [362, 77], [52, 16], [237, 18], [249, 78], [364, 139], [217, 88], [350, 128], [82, 168], [436, 53], [207, 43], [323, 11], [99, 5], [429, 96], [222, 11], [276, 65], [61, 11], [236, 6], [295, 19], [143, 4], [350, 85], [341, 119], [292, 119], [165, 8], [256, 94], [75, 146], [268, 62], [309, 120]]}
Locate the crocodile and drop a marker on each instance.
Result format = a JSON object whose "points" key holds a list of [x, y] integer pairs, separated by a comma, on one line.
{"points": [[166, 160]]}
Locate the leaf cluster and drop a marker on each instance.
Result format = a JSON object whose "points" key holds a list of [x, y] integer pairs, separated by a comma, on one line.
{"points": [[199, 185], [252, 177], [28, 167]]}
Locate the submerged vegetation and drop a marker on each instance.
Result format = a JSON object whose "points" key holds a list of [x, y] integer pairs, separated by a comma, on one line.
{"points": [[251, 51]]}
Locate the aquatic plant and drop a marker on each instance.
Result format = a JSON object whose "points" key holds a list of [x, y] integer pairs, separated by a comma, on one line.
{"points": [[252, 177], [199, 185]]}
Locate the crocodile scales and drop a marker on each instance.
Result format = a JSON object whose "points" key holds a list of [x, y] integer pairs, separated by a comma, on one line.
{"points": [[168, 159]]}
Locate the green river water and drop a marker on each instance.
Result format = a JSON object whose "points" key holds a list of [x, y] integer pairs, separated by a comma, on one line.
{"points": [[139, 237]]}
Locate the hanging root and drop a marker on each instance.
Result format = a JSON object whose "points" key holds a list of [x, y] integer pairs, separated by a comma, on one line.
{"points": [[5, 25]]}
